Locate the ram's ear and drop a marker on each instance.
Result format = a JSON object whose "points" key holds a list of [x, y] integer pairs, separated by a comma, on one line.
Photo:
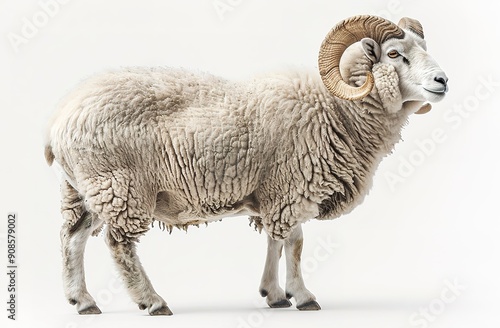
{"points": [[371, 49]]}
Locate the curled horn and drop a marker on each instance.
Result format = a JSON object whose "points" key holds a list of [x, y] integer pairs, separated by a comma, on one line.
{"points": [[339, 39], [412, 25]]}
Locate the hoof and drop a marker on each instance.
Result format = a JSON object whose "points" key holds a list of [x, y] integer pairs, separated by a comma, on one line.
{"points": [[280, 304], [289, 296], [263, 292], [143, 306], [90, 310], [309, 306], [164, 310]]}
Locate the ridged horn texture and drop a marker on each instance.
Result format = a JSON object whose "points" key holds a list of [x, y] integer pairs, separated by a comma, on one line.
{"points": [[343, 35], [412, 25]]}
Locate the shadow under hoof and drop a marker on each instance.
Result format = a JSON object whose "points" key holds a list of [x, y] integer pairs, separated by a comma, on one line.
{"points": [[309, 306], [280, 304], [164, 310], [90, 310]]}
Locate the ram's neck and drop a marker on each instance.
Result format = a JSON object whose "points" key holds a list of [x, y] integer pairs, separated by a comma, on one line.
{"points": [[353, 143], [372, 131]]}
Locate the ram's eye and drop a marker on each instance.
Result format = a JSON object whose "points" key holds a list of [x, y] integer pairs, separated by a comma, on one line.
{"points": [[393, 54]]}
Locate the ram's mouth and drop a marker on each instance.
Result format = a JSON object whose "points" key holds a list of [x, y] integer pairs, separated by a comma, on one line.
{"points": [[439, 92], [435, 95]]}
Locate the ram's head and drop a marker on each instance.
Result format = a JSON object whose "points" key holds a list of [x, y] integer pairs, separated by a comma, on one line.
{"points": [[402, 46]]}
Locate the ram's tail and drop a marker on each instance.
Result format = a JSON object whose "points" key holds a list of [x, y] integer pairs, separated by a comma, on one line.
{"points": [[49, 155]]}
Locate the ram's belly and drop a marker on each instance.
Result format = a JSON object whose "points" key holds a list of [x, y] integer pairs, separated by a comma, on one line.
{"points": [[180, 212]]}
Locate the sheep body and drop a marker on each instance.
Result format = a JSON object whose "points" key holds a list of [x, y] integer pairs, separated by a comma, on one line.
{"points": [[189, 148], [184, 148]]}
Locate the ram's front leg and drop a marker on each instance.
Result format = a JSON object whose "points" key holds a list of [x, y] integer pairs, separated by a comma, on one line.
{"points": [[269, 286], [294, 282]]}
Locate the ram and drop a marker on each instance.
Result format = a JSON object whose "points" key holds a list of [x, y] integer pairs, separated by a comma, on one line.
{"points": [[183, 148]]}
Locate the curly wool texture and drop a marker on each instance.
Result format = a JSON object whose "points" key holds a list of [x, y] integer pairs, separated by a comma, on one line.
{"points": [[188, 148], [387, 82]]}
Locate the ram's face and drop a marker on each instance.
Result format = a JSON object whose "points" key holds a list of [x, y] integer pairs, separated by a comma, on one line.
{"points": [[421, 78]]}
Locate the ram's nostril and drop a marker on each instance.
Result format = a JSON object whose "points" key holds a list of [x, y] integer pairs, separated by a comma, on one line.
{"points": [[442, 80]]}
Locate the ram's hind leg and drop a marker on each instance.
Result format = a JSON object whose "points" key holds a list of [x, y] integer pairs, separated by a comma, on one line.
{"points": [[132, 272], [78, 226], [126, 205]]}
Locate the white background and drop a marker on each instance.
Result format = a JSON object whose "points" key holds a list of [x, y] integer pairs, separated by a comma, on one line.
{"points": [[393, 256]]}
